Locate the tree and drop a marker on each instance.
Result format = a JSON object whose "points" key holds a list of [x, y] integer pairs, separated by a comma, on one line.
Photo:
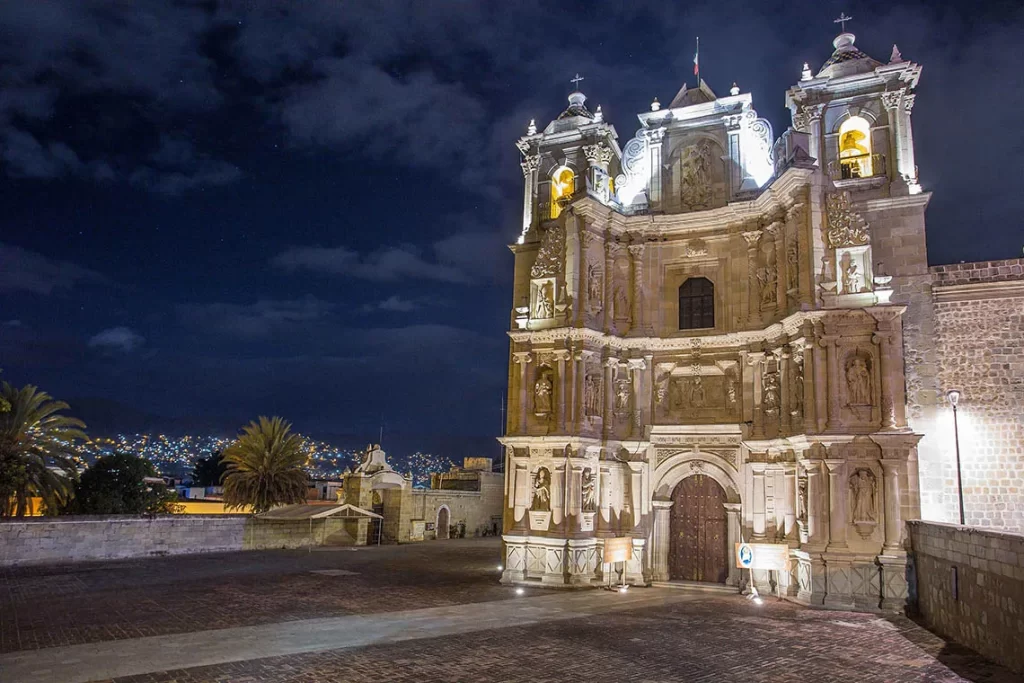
{"points": [[265, 467], [122, 484], [37, 456], [209, 471]]}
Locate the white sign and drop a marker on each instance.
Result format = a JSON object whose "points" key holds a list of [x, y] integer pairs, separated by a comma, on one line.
{"points": [[771, 556]]}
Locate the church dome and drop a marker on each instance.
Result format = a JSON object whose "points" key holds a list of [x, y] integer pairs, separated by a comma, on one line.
{"points": [[577, 107], [847, 59]]}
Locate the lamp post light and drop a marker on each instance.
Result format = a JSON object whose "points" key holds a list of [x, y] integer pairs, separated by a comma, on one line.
{"points": [[954, 398]]}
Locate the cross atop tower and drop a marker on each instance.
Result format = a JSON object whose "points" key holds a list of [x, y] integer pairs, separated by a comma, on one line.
{"points": [[576, 81], [842, 20]]}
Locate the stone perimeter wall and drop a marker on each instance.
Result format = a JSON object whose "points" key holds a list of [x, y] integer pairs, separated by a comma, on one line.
{"points": [[985, 609], [51, 541]]}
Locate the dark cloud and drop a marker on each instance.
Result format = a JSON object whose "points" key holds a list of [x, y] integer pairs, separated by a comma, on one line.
{"points": [[384, 265], [28, 271], [120, 339]]}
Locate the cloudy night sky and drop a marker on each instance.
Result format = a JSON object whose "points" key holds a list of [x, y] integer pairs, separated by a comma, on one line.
{"points": [[226, 210]]}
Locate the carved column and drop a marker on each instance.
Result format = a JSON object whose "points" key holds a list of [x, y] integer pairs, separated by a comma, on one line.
{"points": [[523, 358], [561, 356], [530, 164], [828, 342], [654, 137], [757, 470], [732, 530], [753, 238], [789, 492], [637, 252], [893, 518], [836, 504], [662, 538]]}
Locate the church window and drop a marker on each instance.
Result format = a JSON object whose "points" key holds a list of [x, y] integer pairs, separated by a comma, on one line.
{"points": [[855, 148], [563, 185], [696, 304]]}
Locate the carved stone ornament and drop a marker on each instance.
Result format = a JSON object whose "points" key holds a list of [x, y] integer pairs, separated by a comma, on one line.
{"points": [[846, 227], [695, 177], [549, 258]]}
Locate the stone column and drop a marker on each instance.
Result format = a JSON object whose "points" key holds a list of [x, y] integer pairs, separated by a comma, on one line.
{"points": [[732, 514], [561, 356], [836, 504], [757, 470], [523, 358], [789, 492], [654, 137], [893, 518], [662, 539], [753, 238], [637, 252], [530, 164]]}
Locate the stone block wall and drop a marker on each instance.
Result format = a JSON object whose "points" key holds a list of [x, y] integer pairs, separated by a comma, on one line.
{"points": [[78, 539], [970, 587]]}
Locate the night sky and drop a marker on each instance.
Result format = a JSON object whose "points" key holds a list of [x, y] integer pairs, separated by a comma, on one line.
{"points": [[224, 210]]}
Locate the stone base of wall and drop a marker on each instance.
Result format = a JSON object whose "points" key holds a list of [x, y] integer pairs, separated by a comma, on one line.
{"points": [[78, 539], [970, 587]]}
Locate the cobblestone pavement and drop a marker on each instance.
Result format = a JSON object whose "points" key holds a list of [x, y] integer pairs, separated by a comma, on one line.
{"points": [[710, 637], [718, 639], [63, 605]]}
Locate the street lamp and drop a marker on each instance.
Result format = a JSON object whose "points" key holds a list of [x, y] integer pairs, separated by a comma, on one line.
{"points": [[954, 397]]}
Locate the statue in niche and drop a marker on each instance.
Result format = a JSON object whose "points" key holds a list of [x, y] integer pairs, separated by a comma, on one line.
{"points": [[545, 305], [862, 486], [542, 393], [770, 392], [595, 287], [592, 395], [858, 383], [541, 491], [622, 391], [768, 278], [698, 396], [621, 298], [695, 177], [589, 491]]}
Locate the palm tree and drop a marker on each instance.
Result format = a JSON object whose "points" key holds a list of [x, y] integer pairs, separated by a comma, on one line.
{"points": [[264, 467], [37, 456]]}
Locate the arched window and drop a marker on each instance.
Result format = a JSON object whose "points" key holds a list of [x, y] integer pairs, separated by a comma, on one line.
{"points": [[563, 185], [855, 148], [696, 304]]}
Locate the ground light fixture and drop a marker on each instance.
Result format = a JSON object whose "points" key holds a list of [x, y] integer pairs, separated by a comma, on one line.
{"points": [[953, 395]]}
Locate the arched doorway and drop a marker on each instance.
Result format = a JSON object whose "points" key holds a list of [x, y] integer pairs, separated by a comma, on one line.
{"points": [[698, 531], [443, 523]]}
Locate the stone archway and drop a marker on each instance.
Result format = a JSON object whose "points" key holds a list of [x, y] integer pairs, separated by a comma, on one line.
{"points": [[698, 531], [443, 528]]}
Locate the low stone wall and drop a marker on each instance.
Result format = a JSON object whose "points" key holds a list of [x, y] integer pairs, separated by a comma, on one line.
{"points": [[970, 587], [78, 539]]}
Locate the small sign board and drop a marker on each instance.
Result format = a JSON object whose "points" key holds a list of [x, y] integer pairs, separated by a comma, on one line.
{"points": [[771, 556], [618, 549]]}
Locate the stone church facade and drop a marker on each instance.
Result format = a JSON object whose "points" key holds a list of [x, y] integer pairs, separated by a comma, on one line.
{"points": [[709, 339]]}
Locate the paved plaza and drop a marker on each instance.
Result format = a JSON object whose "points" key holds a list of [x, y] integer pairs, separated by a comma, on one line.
{"points": [[427, 612]]}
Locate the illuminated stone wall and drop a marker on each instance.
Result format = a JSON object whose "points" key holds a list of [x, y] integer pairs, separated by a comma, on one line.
{"points": [[970, 587]]}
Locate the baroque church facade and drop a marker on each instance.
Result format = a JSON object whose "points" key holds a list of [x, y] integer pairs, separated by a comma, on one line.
{"points": [[705, 345]]}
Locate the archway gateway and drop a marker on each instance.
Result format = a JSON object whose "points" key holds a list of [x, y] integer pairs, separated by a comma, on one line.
{"points": [[698, 531]]}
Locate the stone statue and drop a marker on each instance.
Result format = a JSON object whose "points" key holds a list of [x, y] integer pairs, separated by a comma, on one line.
{"points": [[862, 484], [592, 395], [589, 491], [542, 394], [858, 383], [698, 397], [541, 491], [545, 305]]}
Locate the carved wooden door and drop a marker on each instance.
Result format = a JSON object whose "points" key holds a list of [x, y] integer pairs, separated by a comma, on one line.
{"points": [[697, 547]]}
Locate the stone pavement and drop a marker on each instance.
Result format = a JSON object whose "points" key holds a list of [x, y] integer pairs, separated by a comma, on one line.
{"points": [[430, 612]]}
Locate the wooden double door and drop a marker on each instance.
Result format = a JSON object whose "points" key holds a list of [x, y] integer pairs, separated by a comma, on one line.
{"points": [[698, 531]]}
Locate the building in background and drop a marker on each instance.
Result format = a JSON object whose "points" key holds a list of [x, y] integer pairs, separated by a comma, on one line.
{"points": [[721, 336]]}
